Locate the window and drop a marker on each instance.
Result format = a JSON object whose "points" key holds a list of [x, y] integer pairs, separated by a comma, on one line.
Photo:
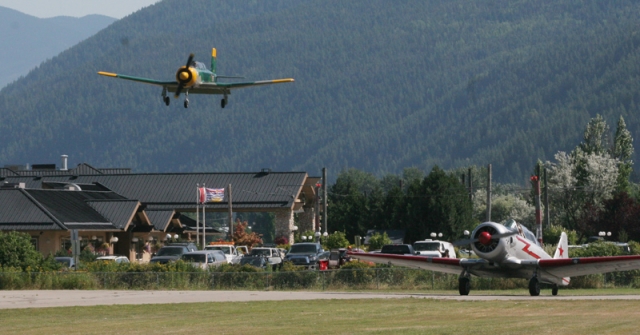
{"points": [[34, 242]]}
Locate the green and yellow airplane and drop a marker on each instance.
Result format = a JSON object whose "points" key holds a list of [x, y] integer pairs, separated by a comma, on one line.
{"points": [[195, 78]]}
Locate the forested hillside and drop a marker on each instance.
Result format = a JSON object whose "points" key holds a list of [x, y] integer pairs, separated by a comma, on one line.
{"points": [[28, 41], [380, 86]]}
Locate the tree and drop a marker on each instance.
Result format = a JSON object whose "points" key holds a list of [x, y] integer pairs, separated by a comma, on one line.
{"points": [[242, 237], [594, 139], [622, 151], [440, 203], [580, 181], [349, 211], [17, 251]]}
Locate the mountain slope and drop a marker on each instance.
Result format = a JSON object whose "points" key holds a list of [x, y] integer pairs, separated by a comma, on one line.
{"points": [[378, 87], [28, 41]]}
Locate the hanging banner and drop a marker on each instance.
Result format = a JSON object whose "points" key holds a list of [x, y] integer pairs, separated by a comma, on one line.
{"points": [[211, 195]]}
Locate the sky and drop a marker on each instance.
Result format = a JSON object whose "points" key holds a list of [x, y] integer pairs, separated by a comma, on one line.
{"points": [[76, 8]]}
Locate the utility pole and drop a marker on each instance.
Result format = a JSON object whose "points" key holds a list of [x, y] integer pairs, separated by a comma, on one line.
{"points": [[316, 219], [324, 199], [470, 187], [546, 200], [489, 193], [536, 187]]}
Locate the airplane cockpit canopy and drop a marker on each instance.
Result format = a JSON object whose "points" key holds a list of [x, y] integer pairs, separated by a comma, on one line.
{"points": [[512, 225], [200, 66]]}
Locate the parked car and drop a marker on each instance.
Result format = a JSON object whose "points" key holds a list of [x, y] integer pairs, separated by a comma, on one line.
{"points": [[305, 254], [172, 253], [273, 255], [233, 253], [435, 248], [205, 259], [113, 258], [67, 262], [398, 249], [257, 261]]}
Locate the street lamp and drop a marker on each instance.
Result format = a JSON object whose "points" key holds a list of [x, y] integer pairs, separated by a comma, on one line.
{"points": [[325, 234], [304, 238], [317, 236]]}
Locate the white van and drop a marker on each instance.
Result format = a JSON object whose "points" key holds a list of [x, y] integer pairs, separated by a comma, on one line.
{"points": [[435, 248]]}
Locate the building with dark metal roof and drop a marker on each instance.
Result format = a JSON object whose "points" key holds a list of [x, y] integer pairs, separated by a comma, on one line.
{"points": [[106, 203]]}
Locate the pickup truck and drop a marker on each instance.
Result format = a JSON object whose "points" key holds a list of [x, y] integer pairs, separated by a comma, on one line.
{"points": [[435, 248], [398, 249], [172, 252], [305, 254], [231, 252]]}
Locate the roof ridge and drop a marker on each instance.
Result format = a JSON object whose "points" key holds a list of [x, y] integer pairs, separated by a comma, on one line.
{"points": [[43, 209]]}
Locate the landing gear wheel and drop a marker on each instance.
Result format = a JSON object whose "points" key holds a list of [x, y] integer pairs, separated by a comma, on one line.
{"points": [[464, 285], [554, 290], [534, 287], [166, 100], [223, 103], [186, 104]]}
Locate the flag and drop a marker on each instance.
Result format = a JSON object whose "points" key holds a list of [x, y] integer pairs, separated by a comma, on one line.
{"points": [[211, 194]]}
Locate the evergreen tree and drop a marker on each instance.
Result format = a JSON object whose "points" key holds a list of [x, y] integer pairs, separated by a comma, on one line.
{"points": [[440, 204], [622, 151]]}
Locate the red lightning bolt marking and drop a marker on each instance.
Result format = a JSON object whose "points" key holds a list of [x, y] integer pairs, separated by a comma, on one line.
{"points": [[526, 248]]}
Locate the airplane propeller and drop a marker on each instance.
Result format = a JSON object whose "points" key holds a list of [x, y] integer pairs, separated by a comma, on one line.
{"points": [[183, 76]]}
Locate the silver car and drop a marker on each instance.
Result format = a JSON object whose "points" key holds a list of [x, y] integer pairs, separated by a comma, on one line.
{"points": [[205, 259]]}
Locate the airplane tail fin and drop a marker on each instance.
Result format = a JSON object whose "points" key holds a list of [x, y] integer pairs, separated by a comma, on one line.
{"points": [[562, 251], [213, 63]]}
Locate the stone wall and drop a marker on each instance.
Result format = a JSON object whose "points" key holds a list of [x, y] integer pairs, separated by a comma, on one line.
{"points": [[284, 224], [305, 220]]}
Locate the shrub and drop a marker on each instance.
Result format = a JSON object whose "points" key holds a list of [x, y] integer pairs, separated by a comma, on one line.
{"points": [[281, 240], [378, 240], [17, 251], [336, 240]]}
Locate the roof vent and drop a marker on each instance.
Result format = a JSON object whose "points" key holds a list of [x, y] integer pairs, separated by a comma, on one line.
{"points": [[265, 170], [72, 187], [12, 185], [43, 167]]}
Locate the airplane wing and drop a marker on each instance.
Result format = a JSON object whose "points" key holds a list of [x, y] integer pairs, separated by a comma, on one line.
{"points": [[250, 83], [167, 84], [446, 265], [571, 267]]}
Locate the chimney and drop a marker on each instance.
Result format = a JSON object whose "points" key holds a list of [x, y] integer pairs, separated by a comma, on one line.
{"points": [[64, 163]]}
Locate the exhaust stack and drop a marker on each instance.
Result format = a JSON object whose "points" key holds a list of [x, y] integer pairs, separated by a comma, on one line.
{"points": [[64, 163]]}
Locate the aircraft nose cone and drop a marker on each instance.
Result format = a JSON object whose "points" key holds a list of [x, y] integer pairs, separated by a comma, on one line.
{"points": [[184, 75], [484, 238]]}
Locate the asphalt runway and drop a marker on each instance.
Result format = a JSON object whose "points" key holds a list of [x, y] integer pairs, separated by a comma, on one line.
{"points": [[66, 298]]}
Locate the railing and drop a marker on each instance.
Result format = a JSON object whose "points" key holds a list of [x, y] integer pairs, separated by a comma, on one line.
{"points": [[343, 279]]}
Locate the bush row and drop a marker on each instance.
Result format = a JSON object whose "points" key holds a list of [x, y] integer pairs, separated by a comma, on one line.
{"points": [[353, 276]]}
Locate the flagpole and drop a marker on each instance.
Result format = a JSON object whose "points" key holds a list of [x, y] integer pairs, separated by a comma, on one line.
{"points": [[230, 215], [204, 204], [198, 213]]}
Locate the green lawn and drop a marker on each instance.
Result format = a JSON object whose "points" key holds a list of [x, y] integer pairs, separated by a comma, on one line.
{"points": [[377, 316]]}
